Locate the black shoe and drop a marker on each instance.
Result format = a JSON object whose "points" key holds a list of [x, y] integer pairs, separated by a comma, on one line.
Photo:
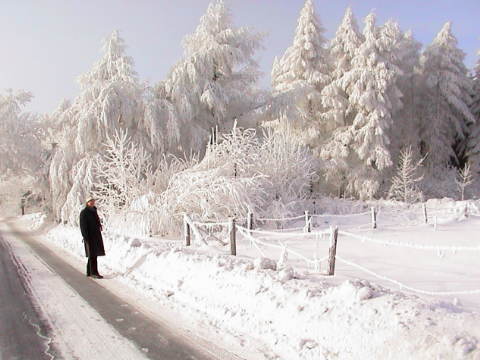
{"points": [[97, 276]]}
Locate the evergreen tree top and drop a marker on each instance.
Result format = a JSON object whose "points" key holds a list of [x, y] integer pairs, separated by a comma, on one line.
{"points": [[347, 33], [369, 31], [306, 60], [445, 36], [308, 34], [114, 65]]}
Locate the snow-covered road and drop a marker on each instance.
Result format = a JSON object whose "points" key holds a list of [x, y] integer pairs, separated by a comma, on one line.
{"points": [[85, 320], [23, 334]]}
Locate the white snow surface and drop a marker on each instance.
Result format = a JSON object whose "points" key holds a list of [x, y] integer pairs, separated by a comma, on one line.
{"points": [[297, 313]]}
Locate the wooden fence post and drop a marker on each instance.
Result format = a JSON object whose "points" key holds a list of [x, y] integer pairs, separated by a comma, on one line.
{"points": [[22, 205], [374, 218], [332, 252], [187, 231], [425, 217], [308, 221], [233, 239], [250, 220]]}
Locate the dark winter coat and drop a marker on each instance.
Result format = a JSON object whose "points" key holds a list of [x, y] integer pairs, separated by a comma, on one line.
{"points": [[91, 231]]}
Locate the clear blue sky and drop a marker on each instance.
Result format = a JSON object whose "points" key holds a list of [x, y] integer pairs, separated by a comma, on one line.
{"points": [[46, 44]]}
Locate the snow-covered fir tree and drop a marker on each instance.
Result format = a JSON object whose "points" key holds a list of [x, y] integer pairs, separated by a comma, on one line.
{"points": [[473, 144], [343, 48], [298, 79], [110, 99], [408, 120], [215, 83], [446, 113], [360, 152]]}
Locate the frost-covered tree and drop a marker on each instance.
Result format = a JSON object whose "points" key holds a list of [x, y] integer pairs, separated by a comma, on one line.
{"points": [[299, 77], [360, 153], [343, 47], [161, 121], [408, 119], [121, 173], [473, 144], [23, 155], [405, 183], [215, 83], [20, 146], [446, 113], [111, 99], [464, 179]]}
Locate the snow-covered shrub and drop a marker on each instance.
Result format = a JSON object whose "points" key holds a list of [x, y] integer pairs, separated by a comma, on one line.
{"points": [[242, 173], [121, 173], [168, 166], [290, 167]]}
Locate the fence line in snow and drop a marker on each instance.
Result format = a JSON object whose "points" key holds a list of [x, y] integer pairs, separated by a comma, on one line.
{"points": [[411, 245], [341, 215], [404, 286], [247, 233], [373, 212]]}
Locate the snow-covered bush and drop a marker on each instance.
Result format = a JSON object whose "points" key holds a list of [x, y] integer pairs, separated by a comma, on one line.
{"points": [[242, 173], [167, 167], [291, 169], [121, 173]]}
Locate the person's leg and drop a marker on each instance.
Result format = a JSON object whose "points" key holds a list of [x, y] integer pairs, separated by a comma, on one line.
{"points": [[94, 267], [89, 267]]}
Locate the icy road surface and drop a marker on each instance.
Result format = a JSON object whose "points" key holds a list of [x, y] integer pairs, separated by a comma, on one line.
{"points": [[48, 309]]}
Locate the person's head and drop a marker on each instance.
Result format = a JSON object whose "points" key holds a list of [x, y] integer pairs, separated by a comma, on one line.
{"points": [[90, 202]]}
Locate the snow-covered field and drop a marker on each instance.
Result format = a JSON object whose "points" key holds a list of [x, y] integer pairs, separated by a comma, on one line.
{"points": [[297, 313]]}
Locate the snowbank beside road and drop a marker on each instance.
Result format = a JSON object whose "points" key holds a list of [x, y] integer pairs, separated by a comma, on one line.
{"points": [[294, 316]]}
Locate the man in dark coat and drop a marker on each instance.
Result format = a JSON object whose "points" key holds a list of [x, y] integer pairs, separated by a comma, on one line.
{"points": [[91, 229]]}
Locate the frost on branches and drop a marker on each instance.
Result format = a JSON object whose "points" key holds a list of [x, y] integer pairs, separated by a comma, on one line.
{"points": [[343, 47], [464, 179], [360, 152], [110, 100], [215, 83], [473, 145], [298, 79], [242, 173], [405, 182], [446, 114], [20, 146], [121, 172]]}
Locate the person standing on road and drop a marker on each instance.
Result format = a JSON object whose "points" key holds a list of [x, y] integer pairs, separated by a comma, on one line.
{"points": [[91, 229]]}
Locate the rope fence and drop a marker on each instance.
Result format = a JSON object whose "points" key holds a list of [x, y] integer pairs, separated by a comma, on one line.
{"points": [[246, 233], [410, 245], [404, 286], [258, 239]]}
